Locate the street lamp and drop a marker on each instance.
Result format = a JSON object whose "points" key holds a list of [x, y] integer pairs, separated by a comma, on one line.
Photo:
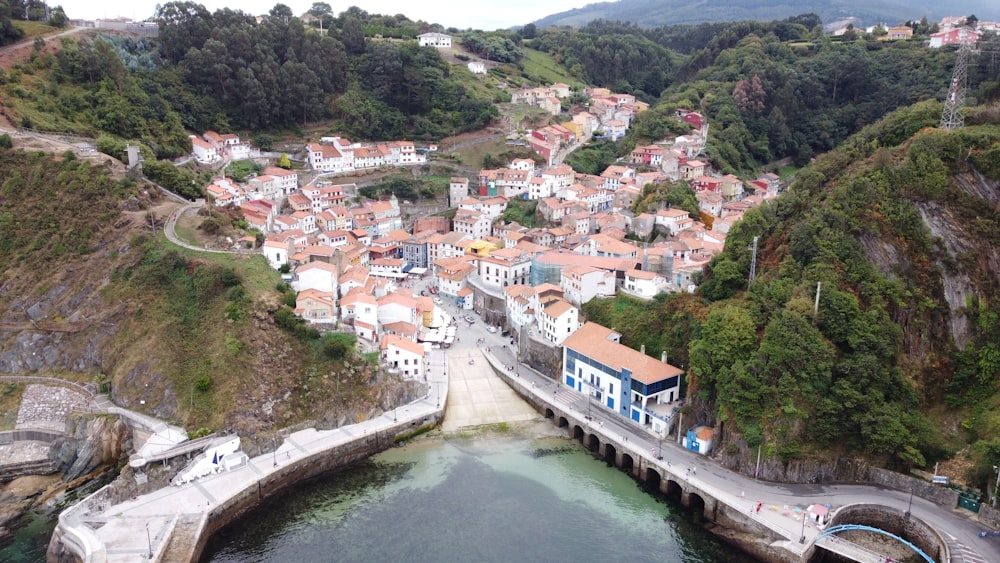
{"points": [[149, 542], [996, 484], [659, 453], [274, 444], [909, 505], [802, 534]]}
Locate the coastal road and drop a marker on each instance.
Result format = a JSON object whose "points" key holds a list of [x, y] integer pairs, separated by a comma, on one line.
{"points": [[954, 524]]}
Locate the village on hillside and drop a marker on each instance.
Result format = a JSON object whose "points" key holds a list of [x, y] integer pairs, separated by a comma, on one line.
{"points": [[355, 268]]}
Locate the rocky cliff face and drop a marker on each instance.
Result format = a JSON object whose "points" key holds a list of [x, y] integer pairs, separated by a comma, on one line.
{"points": [[91, 442]]}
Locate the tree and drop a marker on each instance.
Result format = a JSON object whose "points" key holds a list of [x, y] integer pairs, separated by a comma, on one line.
{"points": [[319, 9], [57, 17], [750, 96], [353, 36], [281, 11], [8, 33], [284, 162]]}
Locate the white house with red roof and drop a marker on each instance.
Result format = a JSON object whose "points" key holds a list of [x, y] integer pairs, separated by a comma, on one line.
{"points": [[316, 306], [402, 354], [557, 320], [287, 180], [643, 284], [399, 306], [676, 220], [316, 275], [360, 310], [507, 266], [204, 152], [621, 379], [581, 283]]}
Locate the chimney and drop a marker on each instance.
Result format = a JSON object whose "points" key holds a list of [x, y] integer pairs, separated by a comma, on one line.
{"points": [[643, 349], [663, 356]]}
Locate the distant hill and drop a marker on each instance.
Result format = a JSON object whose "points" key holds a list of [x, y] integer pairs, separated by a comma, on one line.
{"points": [[653, 13]]}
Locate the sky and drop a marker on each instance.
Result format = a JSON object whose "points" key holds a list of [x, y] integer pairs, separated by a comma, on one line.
{"points": [[462, 14]]}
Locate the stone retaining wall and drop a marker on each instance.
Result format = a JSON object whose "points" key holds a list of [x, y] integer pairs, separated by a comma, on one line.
{"points": [[934, 493], [895, 522]]}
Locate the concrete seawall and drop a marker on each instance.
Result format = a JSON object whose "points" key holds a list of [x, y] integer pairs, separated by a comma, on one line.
{"points": [[284, 477], [174, 524]]}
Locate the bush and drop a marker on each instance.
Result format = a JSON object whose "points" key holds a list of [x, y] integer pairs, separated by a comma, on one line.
{"points": [[203, 383], [6, 142], [338, 346], [211, 226]]}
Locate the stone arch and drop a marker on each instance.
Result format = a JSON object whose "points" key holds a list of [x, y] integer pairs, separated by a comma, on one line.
{"points": [[651, 477], [627, 463], [578, 433], [695, 503], [563, 422], [672, 489], [610, 453], [592, 442], [549, 413]]}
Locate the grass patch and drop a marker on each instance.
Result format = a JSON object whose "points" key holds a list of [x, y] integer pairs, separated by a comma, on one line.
{"points": [[542, 68], [472, 155], [10, 401], [787, 171], [34, 28]]}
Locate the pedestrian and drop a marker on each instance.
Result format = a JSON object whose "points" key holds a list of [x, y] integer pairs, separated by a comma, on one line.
{"points": [[758, 507], [694, 470], [743, 494]]}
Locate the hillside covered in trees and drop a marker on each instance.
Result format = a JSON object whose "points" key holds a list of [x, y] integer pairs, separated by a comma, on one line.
{"points": [[225, 71], [770, 89], [654, 13]]}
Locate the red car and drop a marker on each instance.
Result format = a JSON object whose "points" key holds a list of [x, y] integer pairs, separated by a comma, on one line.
{"points": [[433, 290]]}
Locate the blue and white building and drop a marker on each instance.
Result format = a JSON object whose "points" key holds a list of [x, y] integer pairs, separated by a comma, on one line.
{"points": [[619, 378]]}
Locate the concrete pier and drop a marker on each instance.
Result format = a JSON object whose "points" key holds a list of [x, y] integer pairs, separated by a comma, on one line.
{"points": [[174, 523]]}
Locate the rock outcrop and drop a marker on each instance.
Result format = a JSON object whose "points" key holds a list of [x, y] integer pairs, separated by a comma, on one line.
{"points": [[90, 442]]}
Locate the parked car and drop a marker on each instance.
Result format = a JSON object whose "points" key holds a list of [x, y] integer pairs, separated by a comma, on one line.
{"points": [[433, 290], [423, 293], [470, 318], [437, 300], [491, 329]]}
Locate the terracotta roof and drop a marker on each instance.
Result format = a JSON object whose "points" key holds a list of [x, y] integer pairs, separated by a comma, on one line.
{"points": [[557, 308], [402, 344], [594, 341]]}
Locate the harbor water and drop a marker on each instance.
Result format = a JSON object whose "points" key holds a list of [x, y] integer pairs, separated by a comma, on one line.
{"points": [[504, 496]]}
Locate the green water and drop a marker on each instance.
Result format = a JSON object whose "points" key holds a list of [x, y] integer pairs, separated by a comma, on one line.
{"points": [[483, 499]]}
